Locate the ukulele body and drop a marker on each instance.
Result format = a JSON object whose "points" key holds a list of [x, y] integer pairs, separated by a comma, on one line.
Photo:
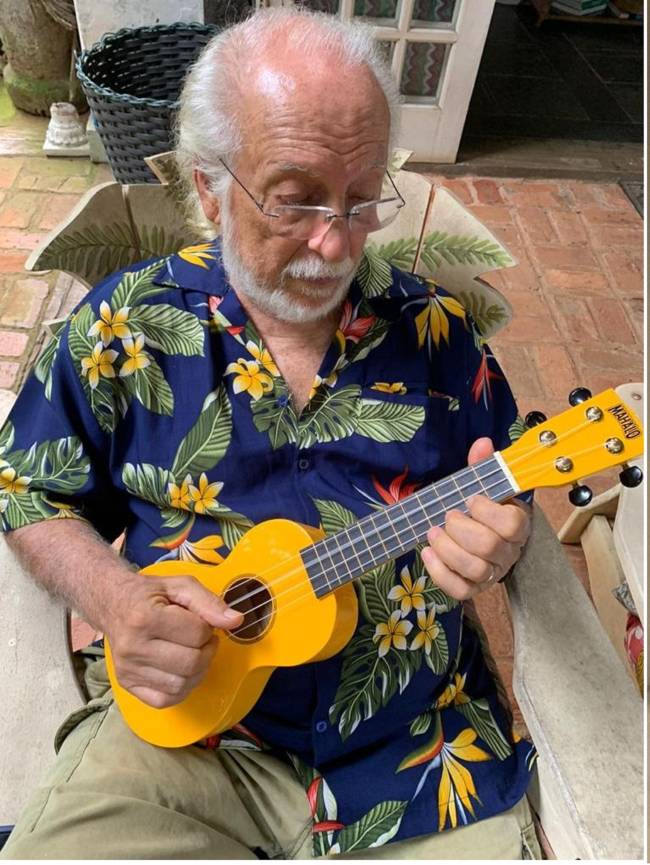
{"points": [[290, 626]]}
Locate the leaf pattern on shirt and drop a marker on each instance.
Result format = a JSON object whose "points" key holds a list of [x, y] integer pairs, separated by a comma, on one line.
{"points": [[329, 836], [45, 362], [389, 649], [112, 350], [184, 491], [475, 709], [60, 465]]}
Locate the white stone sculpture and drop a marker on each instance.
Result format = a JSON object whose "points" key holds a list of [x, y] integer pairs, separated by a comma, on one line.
{"points": [[65, 134]]}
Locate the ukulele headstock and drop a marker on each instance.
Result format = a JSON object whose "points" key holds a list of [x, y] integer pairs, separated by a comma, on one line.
{"points": [[597, 433]]}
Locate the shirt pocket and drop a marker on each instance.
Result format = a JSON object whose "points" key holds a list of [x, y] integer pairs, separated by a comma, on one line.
{"points": [[413, 431]]}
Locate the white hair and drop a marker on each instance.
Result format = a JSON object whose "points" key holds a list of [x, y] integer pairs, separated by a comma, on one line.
{"points": [[207, 124]]}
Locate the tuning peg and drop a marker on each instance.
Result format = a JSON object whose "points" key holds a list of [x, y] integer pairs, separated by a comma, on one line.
{"points": [[578, 395], [631, 476], [580, 495], [533, 418]]}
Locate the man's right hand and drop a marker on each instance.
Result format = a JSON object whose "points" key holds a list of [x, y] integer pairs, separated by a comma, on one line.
{"points": [[162, 636]]}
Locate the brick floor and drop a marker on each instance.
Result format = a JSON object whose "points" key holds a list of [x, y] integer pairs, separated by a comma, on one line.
{"points": [[577, 291]]}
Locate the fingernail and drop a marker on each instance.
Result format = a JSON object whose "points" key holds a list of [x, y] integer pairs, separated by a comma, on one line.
{"points": [[231, 614]]}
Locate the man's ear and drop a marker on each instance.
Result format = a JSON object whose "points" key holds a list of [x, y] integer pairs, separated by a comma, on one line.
{"points": [[209, 202]]}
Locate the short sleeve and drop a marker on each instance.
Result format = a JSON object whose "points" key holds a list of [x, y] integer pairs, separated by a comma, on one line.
{"points": [[53, 454]]}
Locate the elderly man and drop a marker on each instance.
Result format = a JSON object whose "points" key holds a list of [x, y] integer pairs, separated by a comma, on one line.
{"points": [[237, 381]]}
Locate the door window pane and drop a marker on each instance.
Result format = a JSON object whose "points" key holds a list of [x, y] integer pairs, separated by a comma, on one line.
{"points": [[424, 63], [331, 6], [433, 13], [376, 8]]}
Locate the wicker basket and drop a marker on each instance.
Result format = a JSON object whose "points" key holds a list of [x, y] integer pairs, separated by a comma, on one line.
{"points": [[132, 80]]}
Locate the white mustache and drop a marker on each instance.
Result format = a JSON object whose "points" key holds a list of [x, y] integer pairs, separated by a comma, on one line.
{"points": [[316, 268]]}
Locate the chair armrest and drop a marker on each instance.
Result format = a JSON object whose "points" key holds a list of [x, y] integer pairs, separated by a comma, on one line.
{"points": [[37, 683], [581, 707]]}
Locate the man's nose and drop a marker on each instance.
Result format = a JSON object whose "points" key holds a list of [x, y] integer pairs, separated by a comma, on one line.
{"points": [[333, 243]]}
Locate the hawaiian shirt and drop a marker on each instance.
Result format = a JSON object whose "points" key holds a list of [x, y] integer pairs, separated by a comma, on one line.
{"points": [[156, 410]]}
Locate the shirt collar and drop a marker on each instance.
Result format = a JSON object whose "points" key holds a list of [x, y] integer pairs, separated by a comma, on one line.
{"points": [[200, 268]]}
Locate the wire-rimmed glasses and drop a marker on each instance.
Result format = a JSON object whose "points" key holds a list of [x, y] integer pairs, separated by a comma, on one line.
{"points": [[303, 221]]}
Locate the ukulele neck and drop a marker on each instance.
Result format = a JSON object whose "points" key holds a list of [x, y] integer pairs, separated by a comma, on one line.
{"points": [[393, 531]]}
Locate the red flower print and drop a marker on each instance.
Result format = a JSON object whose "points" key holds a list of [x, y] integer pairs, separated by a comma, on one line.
{"points": [[397, 490]]}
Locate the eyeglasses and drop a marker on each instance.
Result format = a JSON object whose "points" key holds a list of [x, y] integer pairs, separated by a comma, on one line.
{"points": [[301, 221]]}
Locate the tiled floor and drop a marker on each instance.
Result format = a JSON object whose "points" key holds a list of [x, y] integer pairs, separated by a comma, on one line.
{"points": [[582, 80], [577, 290]]}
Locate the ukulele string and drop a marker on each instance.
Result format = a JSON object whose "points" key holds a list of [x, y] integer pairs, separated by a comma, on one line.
{"points": [[287, 574], [280, 568]]}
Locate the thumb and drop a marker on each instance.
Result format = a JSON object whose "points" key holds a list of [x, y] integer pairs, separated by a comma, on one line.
{"points": [[481, 449], [190, 593]]}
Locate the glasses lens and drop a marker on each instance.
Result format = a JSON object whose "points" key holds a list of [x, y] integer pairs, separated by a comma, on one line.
{"points": [[372, 217], [299, 223]]}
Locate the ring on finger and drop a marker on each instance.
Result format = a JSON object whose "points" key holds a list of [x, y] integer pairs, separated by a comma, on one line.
{"points": [[492, 577]]}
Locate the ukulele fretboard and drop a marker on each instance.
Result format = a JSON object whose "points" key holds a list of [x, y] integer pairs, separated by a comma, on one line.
{"points": [[393, 531]]}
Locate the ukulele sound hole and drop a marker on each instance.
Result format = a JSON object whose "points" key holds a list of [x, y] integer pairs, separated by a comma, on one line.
{"points": [[250, 597]]}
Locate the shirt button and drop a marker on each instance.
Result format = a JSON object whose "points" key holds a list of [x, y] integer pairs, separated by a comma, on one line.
{"points": [[321, 726], [303, 464]]}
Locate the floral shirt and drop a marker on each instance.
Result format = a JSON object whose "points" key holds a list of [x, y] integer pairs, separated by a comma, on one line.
{"points": [[157, 410]]}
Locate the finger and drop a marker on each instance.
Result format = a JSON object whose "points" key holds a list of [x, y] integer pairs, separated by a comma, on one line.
{"points": [[469, 553], [480, 450], [163, 681], [189, 593], [180, 660], [153, 697], [175, 624], [444, 578], [509, 521]]}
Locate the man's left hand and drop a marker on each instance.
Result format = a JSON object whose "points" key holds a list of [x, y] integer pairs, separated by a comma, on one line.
{"points": [[476, 550]]}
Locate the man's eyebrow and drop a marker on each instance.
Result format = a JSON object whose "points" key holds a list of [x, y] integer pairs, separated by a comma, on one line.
{"points": [[292, 166]]}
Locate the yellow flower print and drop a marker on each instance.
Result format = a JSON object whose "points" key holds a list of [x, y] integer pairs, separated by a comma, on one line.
{"points": [[330, 381], [433, 321], [198, 254], [263, 357], [99, 363], [63, 511], [203, 551], [389, 387], [457, 788], [429, 630], [454, 693], [410, 594], [205, 495], [111, 324], [250, 378], [10, 481], [392, 633], [180, 496], [138, 359]]}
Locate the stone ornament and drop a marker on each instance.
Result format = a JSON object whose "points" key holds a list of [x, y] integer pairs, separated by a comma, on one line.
{"points": [[65, 134]]}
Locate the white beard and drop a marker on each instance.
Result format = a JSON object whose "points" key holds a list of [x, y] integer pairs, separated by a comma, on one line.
{"points": [[295, 306]]}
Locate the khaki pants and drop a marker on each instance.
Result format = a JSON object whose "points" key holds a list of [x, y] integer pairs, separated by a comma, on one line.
{"points": [[110, 795]]}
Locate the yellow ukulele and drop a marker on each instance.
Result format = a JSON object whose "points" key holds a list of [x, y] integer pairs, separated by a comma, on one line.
{"points": [[296, 589]]}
